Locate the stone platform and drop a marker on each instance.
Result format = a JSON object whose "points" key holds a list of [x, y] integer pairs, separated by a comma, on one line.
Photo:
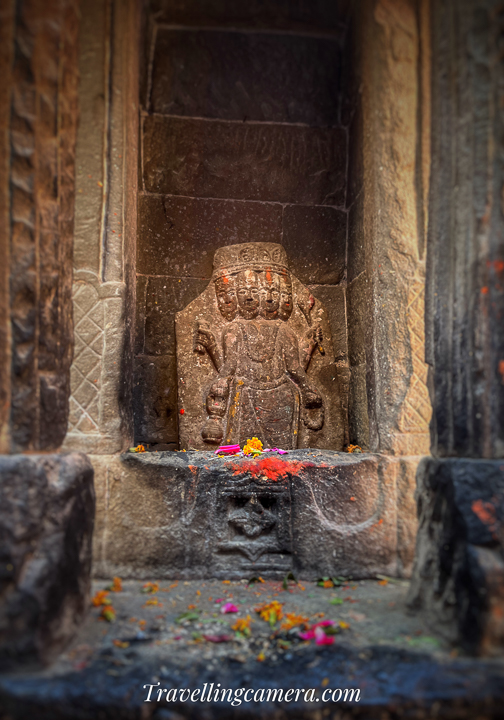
{"points": [[194, 515], [402, 672]]}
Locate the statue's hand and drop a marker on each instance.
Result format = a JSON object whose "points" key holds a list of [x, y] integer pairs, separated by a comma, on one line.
{"points": [[204, 339], [312, 400], [314, 336]]}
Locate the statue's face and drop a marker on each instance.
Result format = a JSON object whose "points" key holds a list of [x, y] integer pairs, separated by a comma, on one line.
{"points": [[285, 306], [226, 297], [248, 294], [269, 294]]}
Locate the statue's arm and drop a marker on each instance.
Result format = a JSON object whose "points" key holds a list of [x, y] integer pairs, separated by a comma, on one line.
{"points": [[311, 341], [230, 344], [297, 373], [204, 340]]}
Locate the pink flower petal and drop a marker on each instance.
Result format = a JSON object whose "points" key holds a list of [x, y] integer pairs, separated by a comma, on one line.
{"points": [[227, 450], [219, 600], [321, 638], [324, 623], [228, 608], [217, 638], [309, 635]]}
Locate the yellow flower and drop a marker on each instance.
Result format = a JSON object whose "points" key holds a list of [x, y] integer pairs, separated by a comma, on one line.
{"points": [[242, 625], [293, 620], [253, 446], [270, 612]]}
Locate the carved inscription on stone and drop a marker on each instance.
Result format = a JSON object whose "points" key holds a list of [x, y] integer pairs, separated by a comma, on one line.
{"points": [[255, 357]]}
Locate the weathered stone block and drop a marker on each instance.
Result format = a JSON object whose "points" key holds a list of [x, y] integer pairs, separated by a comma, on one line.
{"points": [[308, 15], [179, 235], [252, 76], [315, 239], [165, 296], [47, 506], [358, 419], [155, 400], [358, 297], [194, 515], [355, 156], [245, 161], [344, 517], [458, 576], [356, 256]]}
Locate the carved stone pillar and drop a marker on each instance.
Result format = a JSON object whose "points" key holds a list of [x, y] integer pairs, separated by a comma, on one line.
{"points": [[458, 578], [105, 228], [39, 86], [47, 499]]}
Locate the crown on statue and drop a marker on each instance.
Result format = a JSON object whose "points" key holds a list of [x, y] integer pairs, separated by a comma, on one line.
{"points": [[258, 256]]}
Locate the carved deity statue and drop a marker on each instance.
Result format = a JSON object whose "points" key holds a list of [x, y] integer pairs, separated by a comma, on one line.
{"points": [[261, 340]]}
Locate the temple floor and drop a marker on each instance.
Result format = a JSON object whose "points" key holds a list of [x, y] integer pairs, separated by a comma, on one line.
{"points": [[176, 634]]}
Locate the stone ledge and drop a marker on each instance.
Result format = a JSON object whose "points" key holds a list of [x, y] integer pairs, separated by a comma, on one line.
{"points": [[192, 515]]}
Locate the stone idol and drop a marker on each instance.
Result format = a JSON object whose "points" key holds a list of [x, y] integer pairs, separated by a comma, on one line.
{"points": [[255, 358]]}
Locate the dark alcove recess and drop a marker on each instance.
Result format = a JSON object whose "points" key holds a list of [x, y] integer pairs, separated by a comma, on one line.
{"points": [[245, 120]]}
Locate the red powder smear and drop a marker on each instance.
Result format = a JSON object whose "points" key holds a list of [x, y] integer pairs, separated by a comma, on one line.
{"points": [[271, 467], [484, 290], [485, 511], [193, 469], [497, 264], [501, 369], [225, 279], [268, 275]]}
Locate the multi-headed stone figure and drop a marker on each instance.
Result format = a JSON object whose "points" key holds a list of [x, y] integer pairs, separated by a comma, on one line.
{"points": [[259, 331]]}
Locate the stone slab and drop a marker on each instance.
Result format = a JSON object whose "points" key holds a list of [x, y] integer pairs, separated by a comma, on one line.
{"points": [[155, 400], [47, 506], [253, 76], [179, 235], [165, 296], [244, 161], [187, 514], [394, 681], [304, 15], [458, 576], [315, 240]]}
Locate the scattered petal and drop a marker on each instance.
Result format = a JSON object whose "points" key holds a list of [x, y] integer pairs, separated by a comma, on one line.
{"points": [[101, 598], [108, 613], [228, 608], [321, 638], [217, 638], [116, 585]]}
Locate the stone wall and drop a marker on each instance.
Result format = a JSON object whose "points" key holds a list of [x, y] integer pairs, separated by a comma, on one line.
{"points": [[242, 140], [388, 107]]}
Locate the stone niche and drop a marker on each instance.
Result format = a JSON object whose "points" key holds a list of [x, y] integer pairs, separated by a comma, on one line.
{"points": [[272, 163], [255, 357]]}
